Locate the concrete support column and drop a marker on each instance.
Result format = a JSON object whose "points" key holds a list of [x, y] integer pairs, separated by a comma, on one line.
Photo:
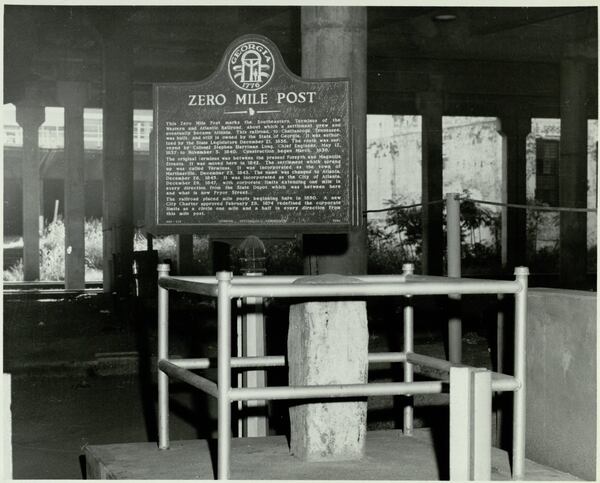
{"points": [[73, 95], [514, 131], [30, 117], [334, 44], [572, 172], [431, 105], [117, 167]]}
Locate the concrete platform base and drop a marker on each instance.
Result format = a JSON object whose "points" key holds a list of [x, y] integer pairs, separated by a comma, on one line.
{"points": [[389, 456]]}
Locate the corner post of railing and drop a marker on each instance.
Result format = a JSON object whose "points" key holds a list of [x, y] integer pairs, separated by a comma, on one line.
{"points": [[163, 353], [224, 373], [518, 469], [408, 269], [454, 270]]}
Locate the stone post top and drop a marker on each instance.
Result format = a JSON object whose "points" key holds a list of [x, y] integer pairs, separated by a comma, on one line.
{"points": [[521, 271], [327, 278], [163, 267]]}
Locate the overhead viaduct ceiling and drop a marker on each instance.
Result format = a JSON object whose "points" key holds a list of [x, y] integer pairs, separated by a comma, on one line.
{"points": [[485, 59]]}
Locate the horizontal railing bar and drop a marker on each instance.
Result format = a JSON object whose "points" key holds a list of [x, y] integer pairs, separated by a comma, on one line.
{"points": [[272, 361], [377, 357], [431, 362], [416, 277], [188, 377], [503, 382], [211, 279], [500, 382], [188, 286], [378, 288], [287, 279], [236, 362], [267, 279], [371, 285], [335, 390], [179, 369]]}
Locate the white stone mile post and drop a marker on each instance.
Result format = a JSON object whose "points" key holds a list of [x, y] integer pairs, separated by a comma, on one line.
{"points": [[328, 344]]}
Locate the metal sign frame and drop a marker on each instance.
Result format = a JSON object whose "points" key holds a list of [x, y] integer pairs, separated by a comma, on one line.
{"points": [[281, 83]]}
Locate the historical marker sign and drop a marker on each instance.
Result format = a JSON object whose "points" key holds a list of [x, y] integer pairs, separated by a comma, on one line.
{"points": [[252, 148]]}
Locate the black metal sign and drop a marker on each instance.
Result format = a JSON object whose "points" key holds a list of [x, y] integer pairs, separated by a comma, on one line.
{"points": [[252, 148]]}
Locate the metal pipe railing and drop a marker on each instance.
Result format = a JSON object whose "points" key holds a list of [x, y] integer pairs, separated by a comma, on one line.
{"points": [[236, 362], [408, 285], [453, 261], [224, 373], [377, 288], [500, 382], [505, 383], [520, 355], [163, 353], [282, 279], [381, 357], [289, 279], [188, 377], [181, 285], [440, 278], [336, 390], [273, 361], [407, 421], [374, 289]]}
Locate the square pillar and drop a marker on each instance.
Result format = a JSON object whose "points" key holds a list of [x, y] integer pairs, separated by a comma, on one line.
{"points": [[73, 95], [334, 44], [572, 173], [30, 117], [514, 131], [117, 161], [430, 105]]}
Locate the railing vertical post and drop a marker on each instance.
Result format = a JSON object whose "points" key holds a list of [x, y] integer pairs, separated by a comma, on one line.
{"points": [[224, 374], [408, 269], [163, 353], [521, 274], [454, 270], [500, 328], [240, 353]]}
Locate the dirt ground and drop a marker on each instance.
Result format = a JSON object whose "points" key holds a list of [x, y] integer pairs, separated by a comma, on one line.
{"points": [[83, 374]]}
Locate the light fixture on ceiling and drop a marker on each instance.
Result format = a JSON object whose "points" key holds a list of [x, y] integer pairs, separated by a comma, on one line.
{"points": [[444, 17]]}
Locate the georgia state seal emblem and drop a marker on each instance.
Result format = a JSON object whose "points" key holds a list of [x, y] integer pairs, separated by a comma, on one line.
{"points": [[251, 65]]}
